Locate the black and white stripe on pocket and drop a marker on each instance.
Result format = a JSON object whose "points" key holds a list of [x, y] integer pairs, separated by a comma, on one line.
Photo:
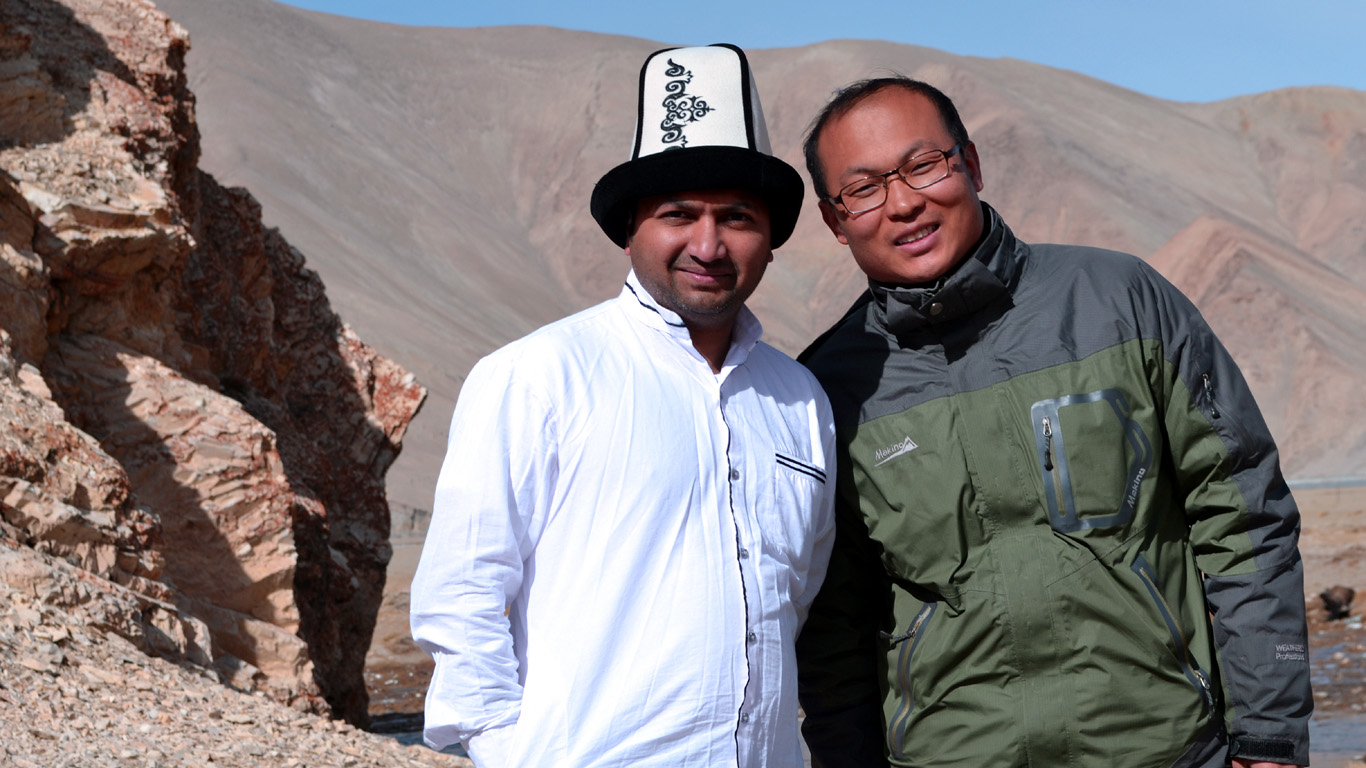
{"points": [[797, 465], [786, 522]]}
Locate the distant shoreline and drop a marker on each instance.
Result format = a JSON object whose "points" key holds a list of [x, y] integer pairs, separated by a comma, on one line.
{"points": [[1308, 483]]}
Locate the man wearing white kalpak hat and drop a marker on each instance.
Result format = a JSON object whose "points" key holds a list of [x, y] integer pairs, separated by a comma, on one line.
{"points": [[634, 512]]}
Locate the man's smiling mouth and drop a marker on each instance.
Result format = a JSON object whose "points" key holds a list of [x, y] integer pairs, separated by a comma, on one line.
{"points": [[918, 235]]}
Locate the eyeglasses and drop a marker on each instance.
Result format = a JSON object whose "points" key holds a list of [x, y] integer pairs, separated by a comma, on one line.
{"points": [[919, 172]]}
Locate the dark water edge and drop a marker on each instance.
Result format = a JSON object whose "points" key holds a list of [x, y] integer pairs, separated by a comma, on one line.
{"points": [[406, 729], [1337, 741]]}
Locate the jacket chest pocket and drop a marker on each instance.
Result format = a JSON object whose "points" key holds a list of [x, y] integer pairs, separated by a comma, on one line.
{"points": [[797, 486], [1092, 456]]}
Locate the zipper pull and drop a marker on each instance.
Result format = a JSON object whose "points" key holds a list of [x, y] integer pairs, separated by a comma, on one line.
{"points": [[1209, 396], [1047, 445], [896, 640], [1205, 688]]}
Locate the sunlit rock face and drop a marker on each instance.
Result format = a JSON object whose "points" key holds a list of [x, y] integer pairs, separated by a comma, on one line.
{"points": [[189, 424]]}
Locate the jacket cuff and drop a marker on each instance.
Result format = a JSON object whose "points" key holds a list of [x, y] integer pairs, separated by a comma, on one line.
{"points": [[1253, 748]]}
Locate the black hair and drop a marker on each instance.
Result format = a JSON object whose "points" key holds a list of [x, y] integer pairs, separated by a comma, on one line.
{"points": [[850, 95]]}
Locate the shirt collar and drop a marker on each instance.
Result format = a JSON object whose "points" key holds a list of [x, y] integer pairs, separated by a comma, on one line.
{"points": [[641, 305]]}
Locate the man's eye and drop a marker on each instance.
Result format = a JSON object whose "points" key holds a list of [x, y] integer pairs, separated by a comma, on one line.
{"points": [[861, 190], [923, 167]]}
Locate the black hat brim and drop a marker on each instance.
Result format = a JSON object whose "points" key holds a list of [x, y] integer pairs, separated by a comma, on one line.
{"points": [[698, 168]]}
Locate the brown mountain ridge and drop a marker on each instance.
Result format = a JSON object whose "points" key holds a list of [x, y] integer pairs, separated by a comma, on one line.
{"points": [[439, 178]]}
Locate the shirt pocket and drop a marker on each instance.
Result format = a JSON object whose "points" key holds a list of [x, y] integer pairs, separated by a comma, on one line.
{"points": [[786, 525]]}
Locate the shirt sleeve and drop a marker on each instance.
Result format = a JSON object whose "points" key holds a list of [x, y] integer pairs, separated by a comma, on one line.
{"points": [[492, 493], [490, 748], [1244, 530]]}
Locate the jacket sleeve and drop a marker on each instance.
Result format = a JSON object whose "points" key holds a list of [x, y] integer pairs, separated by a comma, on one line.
{"points": [[494, 486], [1244, 530], [838, 650]]}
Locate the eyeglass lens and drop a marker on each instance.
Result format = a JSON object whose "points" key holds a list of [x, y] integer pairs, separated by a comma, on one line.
{"points": [[919, 172]]}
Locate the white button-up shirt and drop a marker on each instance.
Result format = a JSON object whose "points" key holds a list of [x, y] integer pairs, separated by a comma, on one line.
{"points": [[624, 545]]}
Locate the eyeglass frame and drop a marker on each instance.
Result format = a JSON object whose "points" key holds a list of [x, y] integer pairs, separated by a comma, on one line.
{"points": [[953, 151]]}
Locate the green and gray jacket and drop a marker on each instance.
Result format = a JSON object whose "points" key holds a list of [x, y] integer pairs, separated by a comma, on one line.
{"points": [[1063, 535]]}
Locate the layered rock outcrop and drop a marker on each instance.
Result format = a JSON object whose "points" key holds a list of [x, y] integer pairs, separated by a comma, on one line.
{"points": [[188, 421]]}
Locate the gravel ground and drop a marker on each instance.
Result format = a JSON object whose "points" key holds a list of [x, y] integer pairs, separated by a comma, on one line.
{"points": [[76, 697]]}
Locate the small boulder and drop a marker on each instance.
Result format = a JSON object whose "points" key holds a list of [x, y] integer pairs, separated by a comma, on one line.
{"points": [[1337, 602]]}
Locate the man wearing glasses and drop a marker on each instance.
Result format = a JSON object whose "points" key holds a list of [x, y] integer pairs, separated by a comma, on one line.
{"points": [[1063, 537]]}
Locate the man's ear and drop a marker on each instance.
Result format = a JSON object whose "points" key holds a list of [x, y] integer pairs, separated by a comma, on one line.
{"points": [[974, 165], [630, 230], [831, 218]]}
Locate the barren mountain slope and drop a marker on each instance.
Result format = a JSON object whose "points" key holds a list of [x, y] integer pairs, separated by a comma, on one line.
{"points": [[1295, 325], [439, 179]]}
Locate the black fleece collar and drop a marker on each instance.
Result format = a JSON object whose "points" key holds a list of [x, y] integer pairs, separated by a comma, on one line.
{"points": [[991, 269]]}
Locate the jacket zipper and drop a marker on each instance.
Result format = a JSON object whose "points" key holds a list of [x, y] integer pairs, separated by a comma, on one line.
{"points": [[1212, 406], [1188, 666], [1209, 395], [1050, 468], [1047, 445], [896, 728]]}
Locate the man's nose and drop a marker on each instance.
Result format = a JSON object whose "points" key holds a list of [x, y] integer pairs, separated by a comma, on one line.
{"points": [[705, 243], [901, 198]]}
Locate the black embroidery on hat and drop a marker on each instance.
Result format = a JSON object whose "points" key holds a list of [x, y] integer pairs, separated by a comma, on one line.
{"points": [[680, 107]]}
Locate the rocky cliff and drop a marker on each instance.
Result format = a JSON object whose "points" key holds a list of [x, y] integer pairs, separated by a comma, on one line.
{"points": [[188, 422]]}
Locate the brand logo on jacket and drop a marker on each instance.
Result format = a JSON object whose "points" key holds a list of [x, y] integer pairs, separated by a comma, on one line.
{"points": [[884, 455], [1290, 652]]}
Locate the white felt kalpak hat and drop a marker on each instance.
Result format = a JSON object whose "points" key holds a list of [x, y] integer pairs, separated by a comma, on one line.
{"points": [[699, 126]]}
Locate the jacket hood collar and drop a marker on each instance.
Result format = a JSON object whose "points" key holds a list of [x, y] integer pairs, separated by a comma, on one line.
{"points": [[987, 272]]}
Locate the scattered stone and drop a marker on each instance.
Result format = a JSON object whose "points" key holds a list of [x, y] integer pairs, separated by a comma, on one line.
{"points": [[1337, 602], [108, 707]]}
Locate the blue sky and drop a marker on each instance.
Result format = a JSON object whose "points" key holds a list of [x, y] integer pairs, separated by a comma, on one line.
{"points": [[1186, 50]]}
